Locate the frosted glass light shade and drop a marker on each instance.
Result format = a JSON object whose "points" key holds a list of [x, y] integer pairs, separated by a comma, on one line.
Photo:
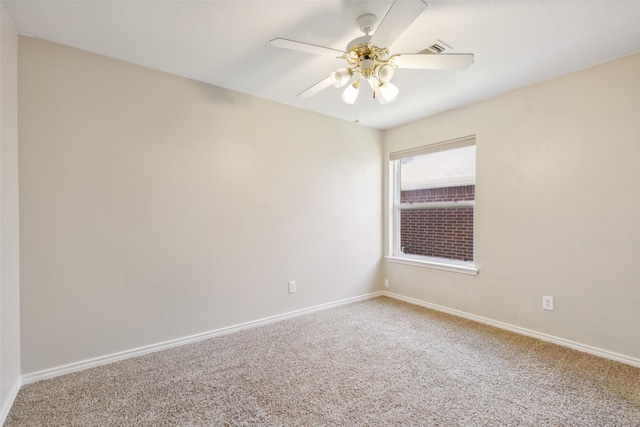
{"points": [[350, 94], [373, 82], [388, 93], [341, 77], [384, 73], [367, 64]]}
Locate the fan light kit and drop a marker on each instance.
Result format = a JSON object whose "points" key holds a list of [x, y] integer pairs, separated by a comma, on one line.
{"points": [[366, 61]]}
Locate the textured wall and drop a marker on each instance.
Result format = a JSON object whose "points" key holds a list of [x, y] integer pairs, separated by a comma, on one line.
{"points": [[155, 207]]}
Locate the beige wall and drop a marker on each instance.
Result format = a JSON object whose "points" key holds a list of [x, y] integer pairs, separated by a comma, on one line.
{"points": [[154, 207], [557, 208], [9, 246]]}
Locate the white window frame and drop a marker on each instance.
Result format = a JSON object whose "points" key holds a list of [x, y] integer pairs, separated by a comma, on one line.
{"points": [[395, 253]]}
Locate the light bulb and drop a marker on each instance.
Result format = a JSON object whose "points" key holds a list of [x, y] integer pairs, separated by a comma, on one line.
{"points": [[350, 94]]}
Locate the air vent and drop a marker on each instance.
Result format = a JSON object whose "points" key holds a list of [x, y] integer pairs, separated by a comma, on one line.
{"points": [[437, 46]]}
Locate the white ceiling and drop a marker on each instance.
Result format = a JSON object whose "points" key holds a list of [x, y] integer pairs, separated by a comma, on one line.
{"points": [[226, 43]]}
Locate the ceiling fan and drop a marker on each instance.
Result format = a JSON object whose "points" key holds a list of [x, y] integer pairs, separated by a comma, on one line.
{"points": [[366, 60]]}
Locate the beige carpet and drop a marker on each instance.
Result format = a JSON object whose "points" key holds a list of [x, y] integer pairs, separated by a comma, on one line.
{"points": [[376, 363]]}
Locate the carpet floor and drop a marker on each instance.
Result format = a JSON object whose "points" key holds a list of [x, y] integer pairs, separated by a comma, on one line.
{"points": [[379, 362]]}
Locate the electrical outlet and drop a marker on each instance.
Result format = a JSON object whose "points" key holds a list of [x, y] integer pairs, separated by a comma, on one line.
{"points": [[292, 286], [547, 303], [386, 283]]}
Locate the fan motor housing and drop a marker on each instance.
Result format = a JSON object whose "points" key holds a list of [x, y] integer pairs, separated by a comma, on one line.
{"points": [[363, 40]]}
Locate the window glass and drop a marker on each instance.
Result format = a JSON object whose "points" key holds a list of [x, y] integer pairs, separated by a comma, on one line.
{"points": [[434, 205]]}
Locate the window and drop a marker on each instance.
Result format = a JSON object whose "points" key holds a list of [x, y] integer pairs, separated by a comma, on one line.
{"points": [[433, 195]]}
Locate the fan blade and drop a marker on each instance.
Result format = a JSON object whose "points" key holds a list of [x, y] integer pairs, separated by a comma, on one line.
{"points": [[318, 87], [399, 17], [306, 47], [433, 61]]}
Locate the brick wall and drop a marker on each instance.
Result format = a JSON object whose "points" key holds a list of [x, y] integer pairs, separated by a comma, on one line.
{"points": [[441, 232]]}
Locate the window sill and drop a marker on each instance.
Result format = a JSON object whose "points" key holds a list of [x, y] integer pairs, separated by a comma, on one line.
{"points": [[446, 265]]}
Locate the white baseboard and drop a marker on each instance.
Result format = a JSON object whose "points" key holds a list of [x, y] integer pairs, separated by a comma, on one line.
{"points": [[110, 358], [544, 337], [103, 360], [6, 406]]}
